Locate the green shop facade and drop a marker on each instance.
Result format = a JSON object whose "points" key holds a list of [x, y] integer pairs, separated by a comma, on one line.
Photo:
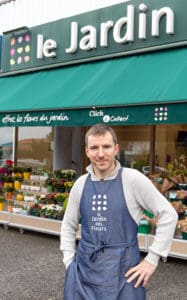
{"points": [[123, 65]]}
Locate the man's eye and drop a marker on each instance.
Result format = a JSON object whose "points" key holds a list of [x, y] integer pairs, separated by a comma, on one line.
{"points": [[107, 146]]}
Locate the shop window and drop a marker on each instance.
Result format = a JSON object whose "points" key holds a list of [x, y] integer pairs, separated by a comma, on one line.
{"points": [[6, 144], [134, 144], [171, 143], [35, 147]]}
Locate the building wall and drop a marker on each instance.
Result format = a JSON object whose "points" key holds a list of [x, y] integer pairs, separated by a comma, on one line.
{"points": [[29, 13]]}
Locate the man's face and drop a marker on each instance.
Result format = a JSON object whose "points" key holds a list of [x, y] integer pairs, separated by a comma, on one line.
{"points": [[101, 151]]}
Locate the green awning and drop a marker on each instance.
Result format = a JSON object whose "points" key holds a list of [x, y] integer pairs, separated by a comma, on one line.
{"points": [[142, 89]]}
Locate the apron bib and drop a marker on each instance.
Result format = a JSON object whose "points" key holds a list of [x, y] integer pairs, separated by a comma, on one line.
{"points": [[108, 246]]}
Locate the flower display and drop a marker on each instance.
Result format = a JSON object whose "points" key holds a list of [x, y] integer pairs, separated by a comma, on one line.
{"points": [[35, 210], [53, 211]]}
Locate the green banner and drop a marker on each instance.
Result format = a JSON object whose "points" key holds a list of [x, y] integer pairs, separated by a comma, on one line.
{"points": [[126, 28], [131, 115]]}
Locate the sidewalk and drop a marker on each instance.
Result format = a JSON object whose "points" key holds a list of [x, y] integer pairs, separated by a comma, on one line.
{"points": [[31, 268]]}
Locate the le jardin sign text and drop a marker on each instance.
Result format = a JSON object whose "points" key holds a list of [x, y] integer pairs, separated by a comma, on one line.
{"points": [[131, 27]]}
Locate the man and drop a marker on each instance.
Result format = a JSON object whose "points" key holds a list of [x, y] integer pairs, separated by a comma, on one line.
{"points": [[110, 200]]}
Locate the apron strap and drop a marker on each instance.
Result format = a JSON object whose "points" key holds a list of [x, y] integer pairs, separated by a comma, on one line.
{"points": [[100, 247]]}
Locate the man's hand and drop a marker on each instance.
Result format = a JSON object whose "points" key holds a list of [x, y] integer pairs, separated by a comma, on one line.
{"points": [[142, 272]]}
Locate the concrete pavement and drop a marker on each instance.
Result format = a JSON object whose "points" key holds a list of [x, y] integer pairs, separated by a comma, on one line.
{"points": [[31, 268]]}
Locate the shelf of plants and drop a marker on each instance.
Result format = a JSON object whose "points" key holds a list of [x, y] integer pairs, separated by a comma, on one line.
{"points": [[36, 200]]}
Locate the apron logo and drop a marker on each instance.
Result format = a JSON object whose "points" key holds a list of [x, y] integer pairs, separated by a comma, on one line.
{"points": [[99, 205]]}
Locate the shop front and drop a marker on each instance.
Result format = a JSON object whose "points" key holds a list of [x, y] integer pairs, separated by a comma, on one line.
{"points": [[124, 65]]}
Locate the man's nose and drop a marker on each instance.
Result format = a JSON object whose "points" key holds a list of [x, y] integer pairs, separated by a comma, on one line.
{"points": [[101, 152]]}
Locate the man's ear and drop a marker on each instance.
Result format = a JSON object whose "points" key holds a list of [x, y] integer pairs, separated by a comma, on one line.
{"points": [[116, 149], [86, 151]]}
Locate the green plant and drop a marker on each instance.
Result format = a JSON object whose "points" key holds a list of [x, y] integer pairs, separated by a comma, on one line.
{"points": [[27, 169], [61, 197], [68, 174], [49, 181], [2, 198], [18, 178], [35, 210], [177, 166], [53, 211], [8, 179], [10, 202], [58, 173], [8, 189]]}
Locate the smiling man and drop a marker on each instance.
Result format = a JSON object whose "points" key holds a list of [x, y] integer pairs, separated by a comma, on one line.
{"points": [[109, 200]]}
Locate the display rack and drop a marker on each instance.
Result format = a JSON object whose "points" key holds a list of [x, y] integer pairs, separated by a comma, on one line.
{"points": [[50, 226]]}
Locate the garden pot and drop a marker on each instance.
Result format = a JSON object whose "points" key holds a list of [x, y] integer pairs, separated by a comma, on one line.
{"points": [[17, 185], [26, 175], [20, 197], [49, 188], [16, 210], [1, 205], [8, 195], [9, 208]]}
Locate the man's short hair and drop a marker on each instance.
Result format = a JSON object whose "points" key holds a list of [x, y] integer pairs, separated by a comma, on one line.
{"points": [[100, 129]]}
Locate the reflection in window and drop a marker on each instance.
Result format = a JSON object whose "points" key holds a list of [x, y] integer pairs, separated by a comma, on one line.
{"points": [[34, 147], [134, 146], [6, 144], [171, 143]]}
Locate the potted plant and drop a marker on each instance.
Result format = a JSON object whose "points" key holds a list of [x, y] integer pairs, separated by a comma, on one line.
{"points": [[35, 210], [8, 181], [182, 225], [49, 184], [20, 196], [29, 197], [8, 192], [59, 185], [17, 208], [34, 175], [68, 185], [2, 200], [27, 172], [10, 205], [52, 211], [68, 174], [17, 182], [24, 210], [60, 198], [58, 173]]}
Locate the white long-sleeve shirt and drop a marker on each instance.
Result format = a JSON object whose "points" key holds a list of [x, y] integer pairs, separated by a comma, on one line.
{"points": [[140, 194]]}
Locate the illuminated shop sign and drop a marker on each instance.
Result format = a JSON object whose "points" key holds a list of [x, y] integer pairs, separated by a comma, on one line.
{"points": [[124, 29]]}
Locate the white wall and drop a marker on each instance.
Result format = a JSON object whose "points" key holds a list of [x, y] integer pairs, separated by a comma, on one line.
{"points": [[29, 13]]}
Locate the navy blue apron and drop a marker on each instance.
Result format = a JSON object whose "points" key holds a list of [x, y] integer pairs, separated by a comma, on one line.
{"points": [[108, 247]]}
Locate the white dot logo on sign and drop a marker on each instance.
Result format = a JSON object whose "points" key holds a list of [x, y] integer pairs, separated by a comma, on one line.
{"points": [[106, 119]]}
